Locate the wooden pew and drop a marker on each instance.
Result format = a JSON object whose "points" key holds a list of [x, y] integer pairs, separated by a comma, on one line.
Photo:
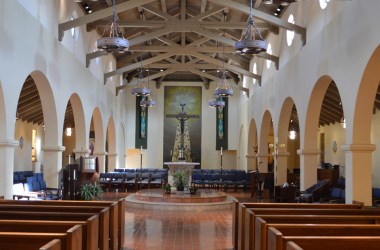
{"points": [[292, 246], [52, 245], [91, 219], [263, 221], [70, 240], [250, 227], [90, 229], [116, 221], [239, 219], [277, 231], [333, 242]]}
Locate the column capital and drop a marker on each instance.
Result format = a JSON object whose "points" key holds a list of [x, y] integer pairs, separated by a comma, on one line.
{"points": [[308, 151], [262, 155], [284, 153], [53, 148], [100, 153], [81, 151], [12, 143], [359, 147]]}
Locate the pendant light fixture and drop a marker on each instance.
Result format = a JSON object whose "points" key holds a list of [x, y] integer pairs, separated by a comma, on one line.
{"points": [[141, 89], [218, 102], [248, 43], [223, 87], [147, 100], [114, 42], [292, 131]]}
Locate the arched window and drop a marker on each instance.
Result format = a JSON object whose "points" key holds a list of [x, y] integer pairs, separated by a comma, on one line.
{"points": [[323, 3], [290, 33], [269, 51]]}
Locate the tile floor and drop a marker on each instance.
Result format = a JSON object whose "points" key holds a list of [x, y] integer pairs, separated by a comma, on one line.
{"points": [[175, 230]]}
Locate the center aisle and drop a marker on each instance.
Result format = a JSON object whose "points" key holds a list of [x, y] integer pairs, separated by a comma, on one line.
{"points": [[158, 229]]}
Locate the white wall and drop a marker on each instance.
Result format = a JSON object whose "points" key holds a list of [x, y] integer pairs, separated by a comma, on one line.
{"points": [[23, 156]]}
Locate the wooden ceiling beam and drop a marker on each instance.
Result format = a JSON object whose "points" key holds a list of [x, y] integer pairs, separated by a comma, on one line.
{"points": [[62, 27], [263, 16]]}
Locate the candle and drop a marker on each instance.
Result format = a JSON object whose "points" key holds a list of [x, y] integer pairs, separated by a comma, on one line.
{"points": [[141, 150], [221, 150]]}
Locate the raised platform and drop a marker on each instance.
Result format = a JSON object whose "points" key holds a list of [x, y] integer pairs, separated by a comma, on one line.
{"points": [[205, 199]]}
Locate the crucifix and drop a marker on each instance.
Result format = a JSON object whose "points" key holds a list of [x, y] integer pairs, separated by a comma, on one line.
{"points": [[181, 150]]}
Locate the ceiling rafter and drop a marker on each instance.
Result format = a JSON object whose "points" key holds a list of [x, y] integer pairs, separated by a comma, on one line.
{"points": [[62, 27], [263, 16]]}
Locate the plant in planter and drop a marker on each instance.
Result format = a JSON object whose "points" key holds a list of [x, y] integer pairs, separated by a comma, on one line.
{"points": [[90, 192], [193, 189], [180, 180], [167, 188]]}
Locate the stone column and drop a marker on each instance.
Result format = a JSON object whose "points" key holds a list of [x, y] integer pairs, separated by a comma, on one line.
{"points": [[358, 172], [101, 161], [309, 165], [263, 158], [7, 149], [80, 152], [112, 160], [52, 164], [281, 168], [251, 162]]}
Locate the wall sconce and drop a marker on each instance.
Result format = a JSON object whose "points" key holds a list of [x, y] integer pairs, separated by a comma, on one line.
{"points": [[334, 147], [343, 122]]}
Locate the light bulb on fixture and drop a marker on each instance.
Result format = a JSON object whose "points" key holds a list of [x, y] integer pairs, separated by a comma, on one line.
{"points": [[292, 131]]}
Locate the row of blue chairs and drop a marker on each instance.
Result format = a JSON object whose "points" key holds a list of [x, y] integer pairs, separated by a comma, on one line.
{"points": [[132, 180], [143, 170], [221, 179], [20, 176]]}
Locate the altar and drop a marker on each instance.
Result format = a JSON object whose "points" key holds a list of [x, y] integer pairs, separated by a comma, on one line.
{"points": [[180, 167]]}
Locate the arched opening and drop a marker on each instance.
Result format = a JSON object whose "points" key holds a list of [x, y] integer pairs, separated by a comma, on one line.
{"points": [[362, 170], [97, 141], [252, 147], [111, 146], [288, 144], [36, 130]]}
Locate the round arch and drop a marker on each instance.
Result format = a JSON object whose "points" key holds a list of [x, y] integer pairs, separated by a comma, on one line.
{"points": [[79, 120], [99, 145], [263, 155], [252, 146], [49, 110]]}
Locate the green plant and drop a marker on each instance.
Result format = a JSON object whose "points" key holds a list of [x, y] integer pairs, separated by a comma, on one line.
{"points": [[193, 189], [90, 192], [167, 188], [180, 180]]}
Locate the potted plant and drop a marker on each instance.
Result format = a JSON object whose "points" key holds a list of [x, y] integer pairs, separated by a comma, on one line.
{"points": [[193, 189], [90, 192], [180, 180], [167, 188]]}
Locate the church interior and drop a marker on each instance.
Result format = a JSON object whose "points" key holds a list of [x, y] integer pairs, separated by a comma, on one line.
{"points": [[189, 124]]}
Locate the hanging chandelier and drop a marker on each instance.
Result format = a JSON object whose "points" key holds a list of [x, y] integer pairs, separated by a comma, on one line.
{"points": [[140, 89], [248, 43], [223, 87], [147, 102], [114, 42], [218, 102], [292, 131]]}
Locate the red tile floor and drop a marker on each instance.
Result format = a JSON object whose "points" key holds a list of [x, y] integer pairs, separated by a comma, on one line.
{"points": [[178, 230]]}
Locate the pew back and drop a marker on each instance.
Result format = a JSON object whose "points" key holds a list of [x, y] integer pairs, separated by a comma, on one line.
{"points": [[277, 231], [239, 218], [262, 221], [52, 245], [70, 240]]}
